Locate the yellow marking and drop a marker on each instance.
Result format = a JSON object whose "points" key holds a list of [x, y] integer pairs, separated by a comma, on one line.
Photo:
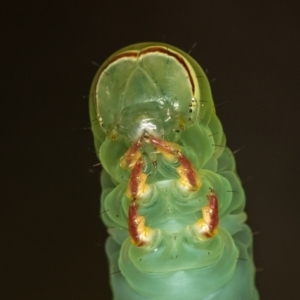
{"points": [[128, 160]]}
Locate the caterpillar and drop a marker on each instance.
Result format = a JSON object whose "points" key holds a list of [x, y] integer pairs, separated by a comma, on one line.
{"points": [[171, 199]]}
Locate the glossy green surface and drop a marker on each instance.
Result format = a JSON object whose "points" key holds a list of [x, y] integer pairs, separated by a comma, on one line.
{"points": [[154, 91]]}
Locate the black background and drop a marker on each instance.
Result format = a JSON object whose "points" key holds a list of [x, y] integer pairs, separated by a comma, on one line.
{"points": [[51, 234]]}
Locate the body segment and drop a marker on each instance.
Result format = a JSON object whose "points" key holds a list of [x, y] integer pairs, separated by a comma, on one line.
{"points": [[173, 204]]}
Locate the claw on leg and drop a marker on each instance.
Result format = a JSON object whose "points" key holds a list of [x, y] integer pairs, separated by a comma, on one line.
{"points": [[137, 182], [188, 175], [139, 233], [207, 226]]}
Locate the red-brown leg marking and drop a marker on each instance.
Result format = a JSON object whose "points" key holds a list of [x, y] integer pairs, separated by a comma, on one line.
{"points": [[137, 182], [139, 233], [132, 155], [208, 225]]}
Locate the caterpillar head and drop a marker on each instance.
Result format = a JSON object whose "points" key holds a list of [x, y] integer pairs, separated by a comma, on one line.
{"points": [[145, 88]]}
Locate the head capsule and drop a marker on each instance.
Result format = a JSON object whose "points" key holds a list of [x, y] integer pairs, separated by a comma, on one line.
{"points": [[147, 87]]}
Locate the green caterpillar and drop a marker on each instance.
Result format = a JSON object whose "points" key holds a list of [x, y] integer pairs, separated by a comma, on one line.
{"points": [[171, 199]]}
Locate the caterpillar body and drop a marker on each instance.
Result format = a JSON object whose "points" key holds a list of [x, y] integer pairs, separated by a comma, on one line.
{"points": [[171, 199]]}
